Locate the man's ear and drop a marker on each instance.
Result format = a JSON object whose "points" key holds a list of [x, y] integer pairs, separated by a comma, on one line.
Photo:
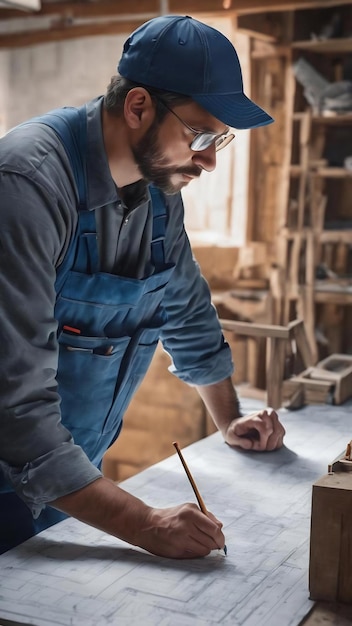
{"points": [[139, 110]]}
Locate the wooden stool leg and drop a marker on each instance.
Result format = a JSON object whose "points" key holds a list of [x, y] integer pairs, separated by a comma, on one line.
{"points": [[275, 372]]}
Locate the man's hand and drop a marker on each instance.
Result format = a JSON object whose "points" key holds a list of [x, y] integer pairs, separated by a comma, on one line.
{"points": [[180, 532], [258, 431]]}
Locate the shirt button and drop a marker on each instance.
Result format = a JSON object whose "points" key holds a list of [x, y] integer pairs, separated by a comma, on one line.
{"points": [[125, 221]]}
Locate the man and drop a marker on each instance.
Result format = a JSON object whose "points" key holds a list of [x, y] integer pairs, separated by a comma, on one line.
{"points": [[93, 274]]}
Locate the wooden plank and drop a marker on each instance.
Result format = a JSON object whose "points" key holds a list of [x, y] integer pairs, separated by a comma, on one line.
{"points": [[336, 236], [326, 46], [255, 330], [103, 8], [303, 347], [333, 120], [304, 137], [320, 374], [294, 264], [63, 33], [308, 294], [243, 7], [80, 10], [332, 172], [339, 296]]}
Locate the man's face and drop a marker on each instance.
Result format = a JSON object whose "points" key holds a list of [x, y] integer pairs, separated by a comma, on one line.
{"points": [[164, 155]]}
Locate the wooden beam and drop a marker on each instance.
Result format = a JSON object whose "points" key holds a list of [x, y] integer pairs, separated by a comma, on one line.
{"points": [[113, 17], [328, 46], [106, 8], [78, 10], [62, 33], [251, 329], [243, 7]]}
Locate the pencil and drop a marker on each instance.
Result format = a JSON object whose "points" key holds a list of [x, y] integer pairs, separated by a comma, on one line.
{"points": [[200, 500]]}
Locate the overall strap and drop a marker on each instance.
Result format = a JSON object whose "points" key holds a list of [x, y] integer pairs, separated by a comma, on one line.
{"points": [[70, 124], [159, 228]]}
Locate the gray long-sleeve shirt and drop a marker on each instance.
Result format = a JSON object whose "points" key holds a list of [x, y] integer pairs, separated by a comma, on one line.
{"points": [[38, 218]]}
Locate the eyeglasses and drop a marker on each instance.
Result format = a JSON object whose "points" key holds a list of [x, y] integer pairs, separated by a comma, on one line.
{"points": [[202, 141]]}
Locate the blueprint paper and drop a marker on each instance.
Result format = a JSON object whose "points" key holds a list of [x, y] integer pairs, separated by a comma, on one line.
{"points": [[74, 575]]}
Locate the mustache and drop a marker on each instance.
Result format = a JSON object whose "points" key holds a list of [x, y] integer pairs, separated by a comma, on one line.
{"points": [[193, 170]]}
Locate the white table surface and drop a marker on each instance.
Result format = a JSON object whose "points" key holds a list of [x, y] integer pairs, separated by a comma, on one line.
{"points": [[74, 575]]}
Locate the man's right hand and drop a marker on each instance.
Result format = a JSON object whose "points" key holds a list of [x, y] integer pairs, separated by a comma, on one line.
{"points": [[179, 532]]}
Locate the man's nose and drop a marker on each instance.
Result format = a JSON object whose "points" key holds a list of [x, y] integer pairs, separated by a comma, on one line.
{"points": [[206, 159]]}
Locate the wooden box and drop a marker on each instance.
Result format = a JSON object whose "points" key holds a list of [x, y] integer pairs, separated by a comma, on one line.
{"points": [[330, 566], [330, 381], [339, 368]]}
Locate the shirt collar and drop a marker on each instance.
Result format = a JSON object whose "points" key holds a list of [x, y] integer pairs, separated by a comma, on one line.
{"points": [[101, 188]]}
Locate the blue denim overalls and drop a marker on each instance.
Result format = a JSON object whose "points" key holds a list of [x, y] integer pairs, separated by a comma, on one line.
{"points": [[108, 329]]}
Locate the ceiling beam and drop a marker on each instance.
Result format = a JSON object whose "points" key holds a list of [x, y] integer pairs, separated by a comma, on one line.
{"points": [[121, 8], [63, 33], [244, 7], [110, 17], [97, 8]]}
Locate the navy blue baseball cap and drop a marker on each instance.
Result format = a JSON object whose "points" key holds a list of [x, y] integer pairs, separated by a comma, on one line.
{"points": [[180, 54]]}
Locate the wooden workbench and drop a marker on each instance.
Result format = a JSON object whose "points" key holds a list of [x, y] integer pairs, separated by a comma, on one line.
{"points": [[75, 575]]}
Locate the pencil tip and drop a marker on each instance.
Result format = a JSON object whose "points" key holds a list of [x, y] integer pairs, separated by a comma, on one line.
{"points": [[225, 549]]}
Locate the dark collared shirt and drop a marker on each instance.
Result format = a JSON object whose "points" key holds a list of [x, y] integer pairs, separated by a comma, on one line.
{"points": [[38, 218]]}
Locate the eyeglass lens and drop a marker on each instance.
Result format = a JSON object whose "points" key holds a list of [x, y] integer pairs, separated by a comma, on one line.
{"points": [[204, 140]]}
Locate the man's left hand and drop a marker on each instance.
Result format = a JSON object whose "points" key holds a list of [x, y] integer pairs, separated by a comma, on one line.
{"points": [[260, 431]]}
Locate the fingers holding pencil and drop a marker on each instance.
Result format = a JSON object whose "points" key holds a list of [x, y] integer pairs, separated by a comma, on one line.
{"points": [[180, 532]]}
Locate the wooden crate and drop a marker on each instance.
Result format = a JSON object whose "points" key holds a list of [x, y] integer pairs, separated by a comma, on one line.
{"points": [[338, 366], [312, 390], [330, 381]]}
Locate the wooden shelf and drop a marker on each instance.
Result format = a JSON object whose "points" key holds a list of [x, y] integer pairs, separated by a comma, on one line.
{"points": [[321, 172], [332, 172], [333, 120], [336, 236], [316, 190], [334, 291], [326, 46]]}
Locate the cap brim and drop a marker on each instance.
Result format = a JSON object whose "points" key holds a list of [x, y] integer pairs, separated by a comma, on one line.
{"points": [[235, 110]]}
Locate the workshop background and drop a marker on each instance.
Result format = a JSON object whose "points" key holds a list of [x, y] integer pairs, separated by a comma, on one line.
{"points": [[271, 228]]}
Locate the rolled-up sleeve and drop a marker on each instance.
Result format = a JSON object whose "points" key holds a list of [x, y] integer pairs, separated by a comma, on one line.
{"points": [[38, 457], [192, 334]]}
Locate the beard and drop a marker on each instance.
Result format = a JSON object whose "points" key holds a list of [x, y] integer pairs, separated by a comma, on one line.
{"points": [[154, 167]]}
